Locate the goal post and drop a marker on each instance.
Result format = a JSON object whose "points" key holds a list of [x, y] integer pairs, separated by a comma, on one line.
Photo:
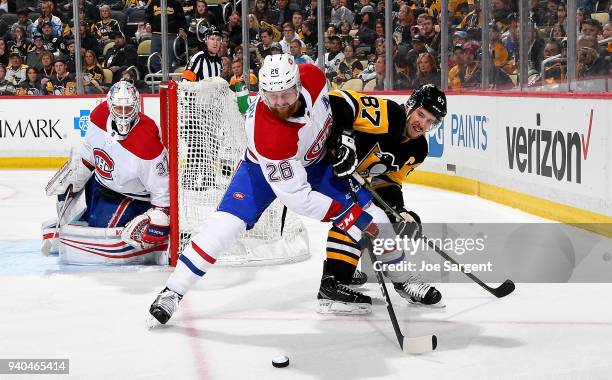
{"points": [[203, 131]]}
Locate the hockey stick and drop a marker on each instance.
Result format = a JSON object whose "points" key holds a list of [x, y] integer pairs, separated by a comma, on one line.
{"points": [[283, 217], [47, 244], [415, 345], [501, 291]]}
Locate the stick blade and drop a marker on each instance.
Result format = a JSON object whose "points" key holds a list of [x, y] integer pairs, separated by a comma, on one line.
{"points": [[504, 289], [420, 344]]}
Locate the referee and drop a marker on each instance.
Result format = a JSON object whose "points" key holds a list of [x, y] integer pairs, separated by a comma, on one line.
{"points": [[206, 63], [203, 143]]}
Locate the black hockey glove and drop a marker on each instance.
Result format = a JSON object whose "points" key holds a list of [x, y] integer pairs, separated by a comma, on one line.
{"points": [[409, 225], [344, 155]]}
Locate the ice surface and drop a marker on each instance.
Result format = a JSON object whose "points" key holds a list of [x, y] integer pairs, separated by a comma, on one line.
{"points": [[236, 320]]}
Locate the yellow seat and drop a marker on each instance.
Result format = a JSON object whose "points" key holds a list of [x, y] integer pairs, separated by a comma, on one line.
{"points": [[602, 17], [354, 84], [369, 86], [108, 76], [107, 47], [144, 48]]}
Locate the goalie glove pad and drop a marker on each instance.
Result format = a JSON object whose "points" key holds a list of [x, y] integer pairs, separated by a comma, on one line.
{"points": [[355, 222], [344, 155], [409, 225], [149, 229], [75, 172]]}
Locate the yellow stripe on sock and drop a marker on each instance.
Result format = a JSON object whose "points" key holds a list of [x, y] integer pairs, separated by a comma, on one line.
{"points": [[340, 236], [346, 259]]}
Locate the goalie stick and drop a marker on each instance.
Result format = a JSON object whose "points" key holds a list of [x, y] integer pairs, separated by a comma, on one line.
{"points": [[503, 290], [414, 345], [48, 243]]}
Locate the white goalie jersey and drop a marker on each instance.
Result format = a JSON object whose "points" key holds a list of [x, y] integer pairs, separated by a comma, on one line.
{"points": [[136, 166]]}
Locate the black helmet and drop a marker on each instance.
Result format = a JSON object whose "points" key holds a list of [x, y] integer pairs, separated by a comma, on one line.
{"points": [[212, 31], [429, 97]]}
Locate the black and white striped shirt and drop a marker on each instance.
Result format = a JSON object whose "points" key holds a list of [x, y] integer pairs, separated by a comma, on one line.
{"points": [[203, 65]]}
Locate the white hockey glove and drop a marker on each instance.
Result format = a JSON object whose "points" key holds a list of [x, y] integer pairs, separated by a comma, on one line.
{"points": [[344, 157], [409, 225], [149, 229], [74, 172]]}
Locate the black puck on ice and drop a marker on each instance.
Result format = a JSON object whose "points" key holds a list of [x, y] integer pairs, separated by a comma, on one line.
{"points": [[280, 361]]}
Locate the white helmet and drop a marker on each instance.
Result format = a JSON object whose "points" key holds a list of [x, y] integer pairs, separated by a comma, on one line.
{"points": [[123, 102], [278, 73]]}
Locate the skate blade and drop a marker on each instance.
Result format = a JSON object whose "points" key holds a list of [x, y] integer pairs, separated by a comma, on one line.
{"points": [[151, 322], [343, 308], [439, 305]]}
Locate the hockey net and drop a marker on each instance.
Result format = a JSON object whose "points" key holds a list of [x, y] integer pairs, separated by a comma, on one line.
{"points": [[205, 136]]}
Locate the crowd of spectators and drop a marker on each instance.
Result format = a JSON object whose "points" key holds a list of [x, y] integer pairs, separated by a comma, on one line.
{"points": [[37, 48]]}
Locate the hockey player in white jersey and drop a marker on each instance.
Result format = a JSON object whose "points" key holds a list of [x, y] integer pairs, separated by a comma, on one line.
{"points": [[287, 127], [121, 178]]}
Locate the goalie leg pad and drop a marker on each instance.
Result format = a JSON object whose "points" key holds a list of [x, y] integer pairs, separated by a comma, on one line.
{"points": [[90, 245], [49, 236]]}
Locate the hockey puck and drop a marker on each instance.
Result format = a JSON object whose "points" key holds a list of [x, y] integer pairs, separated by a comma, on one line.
{"points": [[280, 361]]}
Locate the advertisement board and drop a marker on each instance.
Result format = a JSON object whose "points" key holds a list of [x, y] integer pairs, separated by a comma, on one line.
{"points": [[551, 148]]}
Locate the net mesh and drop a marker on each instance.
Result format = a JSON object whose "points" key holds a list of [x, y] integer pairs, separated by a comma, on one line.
{"points": [[211, 141]]}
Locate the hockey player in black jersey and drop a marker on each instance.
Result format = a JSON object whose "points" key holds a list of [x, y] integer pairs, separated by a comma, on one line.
{"points": [[385, 141]]}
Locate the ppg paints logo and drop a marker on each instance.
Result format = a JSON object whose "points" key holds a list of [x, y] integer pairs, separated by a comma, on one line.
{"points": [[436, 141], [80, 122]]}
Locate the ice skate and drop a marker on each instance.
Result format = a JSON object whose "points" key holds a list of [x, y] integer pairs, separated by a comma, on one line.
{"points": [[359, 278], [163, 307], [335, 298], [418, 292]]}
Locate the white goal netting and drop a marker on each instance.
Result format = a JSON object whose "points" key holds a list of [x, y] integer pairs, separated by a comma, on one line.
{"points": [[211, 141]]}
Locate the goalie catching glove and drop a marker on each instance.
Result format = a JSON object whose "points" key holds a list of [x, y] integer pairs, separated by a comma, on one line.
{"points": [[149, 229], [344, 155], [409, 225]]}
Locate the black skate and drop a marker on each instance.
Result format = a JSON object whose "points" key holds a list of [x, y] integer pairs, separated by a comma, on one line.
{"points": [[335, 298], [359, 278], [163, 307], [416, 291]]}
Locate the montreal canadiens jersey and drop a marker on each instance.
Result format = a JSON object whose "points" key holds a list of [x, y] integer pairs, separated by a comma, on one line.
{"points": [[136, 166], [285, 149]]}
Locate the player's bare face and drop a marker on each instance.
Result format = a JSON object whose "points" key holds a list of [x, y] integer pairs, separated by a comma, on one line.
{"points": [[213, 44], [283, 104], [420, 122]]}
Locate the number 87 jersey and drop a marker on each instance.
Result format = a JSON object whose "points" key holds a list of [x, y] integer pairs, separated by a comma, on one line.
{"points": [[383, 149]]}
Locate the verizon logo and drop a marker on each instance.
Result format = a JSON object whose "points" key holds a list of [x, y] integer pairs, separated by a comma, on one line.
{"points": [[552, 154]]}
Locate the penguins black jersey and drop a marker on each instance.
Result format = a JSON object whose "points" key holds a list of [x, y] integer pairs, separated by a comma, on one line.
{"points": [[383, 151]]}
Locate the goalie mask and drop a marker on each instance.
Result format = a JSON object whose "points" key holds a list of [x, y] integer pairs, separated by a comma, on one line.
{"points": [[123, 102], [430, 98], [279, 82]]}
